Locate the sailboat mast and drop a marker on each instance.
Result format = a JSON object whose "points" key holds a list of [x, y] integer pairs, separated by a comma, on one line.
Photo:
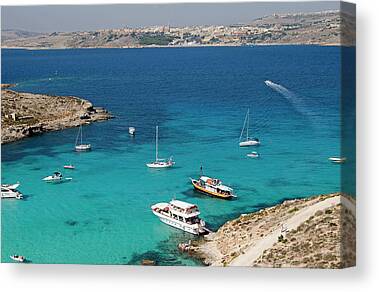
{"points": [[247, 128], [156, 143], [81, 135]]}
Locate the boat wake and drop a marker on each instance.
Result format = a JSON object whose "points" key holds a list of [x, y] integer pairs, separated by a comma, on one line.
{"points": [[295, 101]]}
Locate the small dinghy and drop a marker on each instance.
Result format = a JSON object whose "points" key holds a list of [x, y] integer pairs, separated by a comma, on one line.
{"points": [[337, 159], [56, 177], [253, 154], [18, 258], [132, 131], [69, 166]]}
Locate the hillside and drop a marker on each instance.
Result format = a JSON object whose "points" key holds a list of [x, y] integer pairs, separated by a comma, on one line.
{"points": [[322, 28]]}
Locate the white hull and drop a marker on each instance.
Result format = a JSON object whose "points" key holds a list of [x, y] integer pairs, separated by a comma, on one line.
{"points": [[132, 131], [249, 143], [11, 186], [50, 179], [159, 165], [193, 229], [83, 147], [337, 159], [11, 194]]}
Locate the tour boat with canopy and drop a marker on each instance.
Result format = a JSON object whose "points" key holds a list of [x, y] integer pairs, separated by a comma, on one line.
{"points": [[213, 187], [248, 141], [181, 215], [159, 162]]}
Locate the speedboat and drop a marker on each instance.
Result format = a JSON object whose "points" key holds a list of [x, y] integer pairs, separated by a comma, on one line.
{"points": [[56, 177], [253, 154], [10, 192], [132, 131], [18, 258], [212, 187], [337, 159], [181, 215], [159, 162], [11, 186], [69, 166]]}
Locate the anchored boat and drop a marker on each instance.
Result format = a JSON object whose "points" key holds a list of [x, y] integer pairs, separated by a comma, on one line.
{"points": [[213, 187], [132, 131], [18, 258], [337, 159], [159, 162], [248, 141], [181, 215], [81, 146], [56, 177], [9, 191]]}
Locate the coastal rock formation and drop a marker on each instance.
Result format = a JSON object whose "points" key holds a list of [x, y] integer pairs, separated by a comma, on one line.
{"points": [[317, 232], [26, 114]]}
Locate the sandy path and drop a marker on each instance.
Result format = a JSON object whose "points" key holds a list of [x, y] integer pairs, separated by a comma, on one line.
{"points": [[253, 253]]}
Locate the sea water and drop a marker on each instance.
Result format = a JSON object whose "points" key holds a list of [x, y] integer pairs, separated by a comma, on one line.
{"points": [[199, 98]]}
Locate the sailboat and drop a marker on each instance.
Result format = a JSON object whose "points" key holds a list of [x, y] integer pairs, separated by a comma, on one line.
{"points": [[159, 162], [249, 141], [80, 146]]}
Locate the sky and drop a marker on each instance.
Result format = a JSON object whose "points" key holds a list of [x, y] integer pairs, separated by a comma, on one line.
{"points": [[60, 18]]}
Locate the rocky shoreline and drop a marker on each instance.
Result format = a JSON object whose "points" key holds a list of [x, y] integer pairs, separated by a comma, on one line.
{"points": [[316, 232], [27, 114]]}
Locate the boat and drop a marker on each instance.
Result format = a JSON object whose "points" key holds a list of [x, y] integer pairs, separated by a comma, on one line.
{"points": [[18, 258], [213, 187], [80, 146], [181, 215], [56, 177], [132, 131], [11, 186], [253, 154], [159, 162], [10, 192], [248, 141], [69, 166], [337, 159]]}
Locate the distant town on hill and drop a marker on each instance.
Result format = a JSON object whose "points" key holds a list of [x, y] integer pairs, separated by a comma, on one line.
{"points": [[316, 28]]}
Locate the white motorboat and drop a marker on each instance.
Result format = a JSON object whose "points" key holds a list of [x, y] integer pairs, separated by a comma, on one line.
{"points": [[253, 154], [181, 215], [248, 140], [18, 258], [159, 162], [337, 159], [10, 192], [81, 147], [132, 131], [56, 177], [11, 186]]}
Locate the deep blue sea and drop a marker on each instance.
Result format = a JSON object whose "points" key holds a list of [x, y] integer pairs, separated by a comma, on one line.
{"points": [[199, 98]]}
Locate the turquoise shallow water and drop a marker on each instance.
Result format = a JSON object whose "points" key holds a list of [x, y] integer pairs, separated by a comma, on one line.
{"points": [[199, 98]]}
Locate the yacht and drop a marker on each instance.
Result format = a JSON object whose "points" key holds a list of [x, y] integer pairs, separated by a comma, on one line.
{"points": [[213, 187], [56, 177], [81, 146], [160, 162], [10, 192], [181, 215], [248, 141]]}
